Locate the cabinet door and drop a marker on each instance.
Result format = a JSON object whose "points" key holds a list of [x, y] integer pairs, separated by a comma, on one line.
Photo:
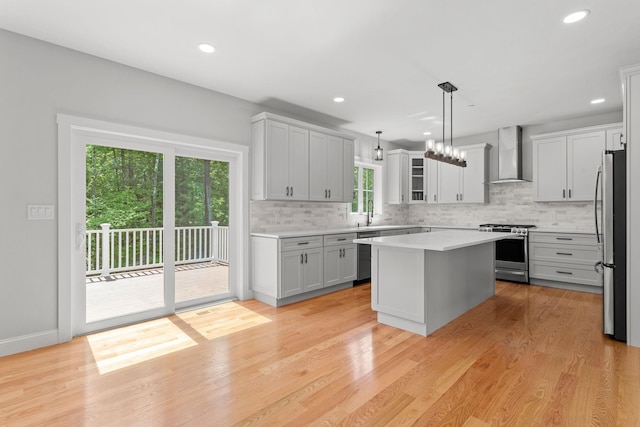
{"points": [[347, 170], [397, 178], [474, 177], [277, 160], [417, 190], [550, 169], [448, 183], [432, 181], [317, 166], [332, 260], [298, 163], [614, 139], [584, 154], [349, 264], [291, 277], [313, 269], [334, 168]]}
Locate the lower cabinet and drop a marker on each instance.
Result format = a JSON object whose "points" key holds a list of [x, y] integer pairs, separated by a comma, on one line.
{"points": [[340, 259], [301, 271], [292, 269], [565, 258]]}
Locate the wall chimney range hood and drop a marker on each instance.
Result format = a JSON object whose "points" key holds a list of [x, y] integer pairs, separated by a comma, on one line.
{"points": [[509, 155]]}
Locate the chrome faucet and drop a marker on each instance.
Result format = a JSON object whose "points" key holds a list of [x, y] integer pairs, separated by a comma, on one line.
{"points": [[369, 212]]}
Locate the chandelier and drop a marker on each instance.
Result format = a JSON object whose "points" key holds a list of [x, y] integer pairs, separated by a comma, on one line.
{"points": [[441, 151]]}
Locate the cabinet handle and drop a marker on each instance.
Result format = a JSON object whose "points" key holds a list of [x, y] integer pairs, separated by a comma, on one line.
{"points": [[303, 243], [564, 253], [305, 258], [460, 196], [563, 272], [569, 193], [287, 191], [340, 253], [325, 193], [329, 193], [564, 238], [564, 192], [292, 191], [435, 198], [342, 239], [301, 258]]}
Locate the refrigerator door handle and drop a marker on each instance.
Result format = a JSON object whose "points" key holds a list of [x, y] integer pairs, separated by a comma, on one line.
{"points": [[595, 203]]}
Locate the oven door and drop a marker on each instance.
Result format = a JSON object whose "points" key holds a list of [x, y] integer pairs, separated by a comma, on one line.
{"points": [[512, 260]]}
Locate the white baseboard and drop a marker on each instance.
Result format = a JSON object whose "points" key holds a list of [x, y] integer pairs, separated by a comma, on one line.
{"points": [[28, 342]]}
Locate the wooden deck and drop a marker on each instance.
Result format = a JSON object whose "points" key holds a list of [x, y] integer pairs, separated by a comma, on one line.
{"points": [[529, 356], [144, 289]]}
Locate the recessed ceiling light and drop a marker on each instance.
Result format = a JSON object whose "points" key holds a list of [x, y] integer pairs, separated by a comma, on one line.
{"points": [[427, 133], [575, 16], [338, 99], [206, 48], [597, 101]]}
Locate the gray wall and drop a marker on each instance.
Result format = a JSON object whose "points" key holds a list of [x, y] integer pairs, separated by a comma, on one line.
{"points": [[39, 80]]}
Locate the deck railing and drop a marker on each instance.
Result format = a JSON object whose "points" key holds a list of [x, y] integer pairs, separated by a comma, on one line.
{"points": [[116, 250]]}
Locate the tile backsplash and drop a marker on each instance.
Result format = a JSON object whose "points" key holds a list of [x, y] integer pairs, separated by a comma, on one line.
{"points": [[509, 203]]}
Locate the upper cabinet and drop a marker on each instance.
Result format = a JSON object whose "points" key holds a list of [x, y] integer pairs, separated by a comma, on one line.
{"points": [[297, 161], [565, 163], [412, 178], [465, 185], [397, 172]]}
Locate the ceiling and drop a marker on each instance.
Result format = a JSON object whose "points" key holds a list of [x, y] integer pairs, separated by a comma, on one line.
{"points": [[514, 62]]}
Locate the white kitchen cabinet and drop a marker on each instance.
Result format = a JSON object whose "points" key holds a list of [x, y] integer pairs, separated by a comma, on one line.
{"points": [[465, 185], [565, 163], [565, 258], [615, 139], [326, 168], [347, 170], [281, 161], [432, 181], [296, 161], [417, 177], [340, 259], [301, 271], [449, 183], [397, 177]]}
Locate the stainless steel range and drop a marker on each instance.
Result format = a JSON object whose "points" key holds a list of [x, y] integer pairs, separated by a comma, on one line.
{"points": [[512, 254]]}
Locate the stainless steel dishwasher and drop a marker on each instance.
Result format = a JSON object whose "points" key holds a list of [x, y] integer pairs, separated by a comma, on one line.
{"points": [[364, 255]]}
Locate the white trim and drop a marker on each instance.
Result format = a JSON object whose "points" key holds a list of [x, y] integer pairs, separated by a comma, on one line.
{"points": [[576, 130], [28, 342], [377, 188], [301, 124], [68, 126]]}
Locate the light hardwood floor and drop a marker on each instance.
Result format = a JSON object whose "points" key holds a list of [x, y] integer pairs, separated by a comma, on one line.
{"points": [[528, 356]]}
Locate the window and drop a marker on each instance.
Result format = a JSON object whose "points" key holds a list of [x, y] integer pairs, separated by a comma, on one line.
{"points": [[366, 188]]}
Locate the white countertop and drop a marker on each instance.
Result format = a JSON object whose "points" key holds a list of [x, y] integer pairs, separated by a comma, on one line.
{"points": [[300, 233], [440, 241], [283, 234]]}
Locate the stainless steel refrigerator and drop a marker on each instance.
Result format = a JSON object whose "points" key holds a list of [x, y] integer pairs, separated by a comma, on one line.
{"points": [[612, 184]]}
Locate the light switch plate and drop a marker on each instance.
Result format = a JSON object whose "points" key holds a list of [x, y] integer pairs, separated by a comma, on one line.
{"points": [[40, 212]]}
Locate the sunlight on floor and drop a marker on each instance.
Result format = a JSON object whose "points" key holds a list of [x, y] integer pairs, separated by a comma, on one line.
{"points": [[221, 320], [130, 345]]}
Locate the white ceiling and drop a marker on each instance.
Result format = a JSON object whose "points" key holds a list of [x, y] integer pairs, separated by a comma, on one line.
{"points": [[515, 61]]}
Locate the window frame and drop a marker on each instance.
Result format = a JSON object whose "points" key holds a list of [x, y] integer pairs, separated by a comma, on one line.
{"points": [[377, 188]]}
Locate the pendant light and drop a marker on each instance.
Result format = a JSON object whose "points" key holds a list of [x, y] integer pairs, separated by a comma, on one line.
{"points": [[441, 151], [378, 150]]}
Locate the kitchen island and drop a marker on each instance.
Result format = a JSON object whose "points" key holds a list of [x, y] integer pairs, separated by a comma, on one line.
{"points": [[420, 282]]}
